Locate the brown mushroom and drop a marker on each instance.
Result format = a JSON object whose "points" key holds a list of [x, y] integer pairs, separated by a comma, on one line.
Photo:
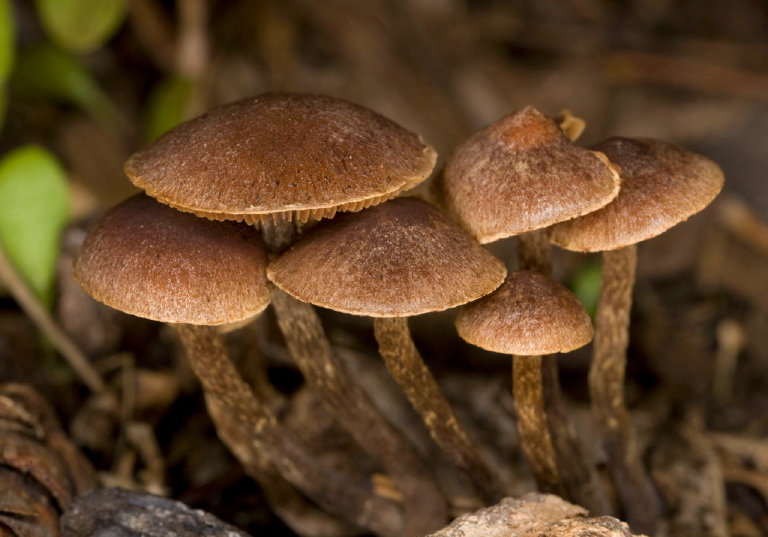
{"points": [[521, 174], [149, 260], [279, 157], [530, 315], [662, 185], [392, 261], [518, 176]]}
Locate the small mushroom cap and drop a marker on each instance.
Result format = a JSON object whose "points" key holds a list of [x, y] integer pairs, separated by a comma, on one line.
{"points": [[152, 261], [529, 315], [397, 259], [662, 185], [281, 154], [522, 173]]}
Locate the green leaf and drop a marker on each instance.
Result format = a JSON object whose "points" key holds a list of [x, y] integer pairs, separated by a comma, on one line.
{"points": [[167, 106], [585, 284], [34, 208], [7, 38], [81, 25], [51, 73]]}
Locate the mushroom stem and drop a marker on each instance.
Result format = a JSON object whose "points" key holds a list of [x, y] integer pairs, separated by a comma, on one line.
{"points": [[424, 505], [228, 394], [606, 384], [536, 441], [411, 373], [534, 251], [577, 474]]}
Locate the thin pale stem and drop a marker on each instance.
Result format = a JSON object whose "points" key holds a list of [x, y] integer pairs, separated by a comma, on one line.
{"points": [[55, 334], [411, 373], [606, 384], [269, 441], [424, 505], [576, 472]]}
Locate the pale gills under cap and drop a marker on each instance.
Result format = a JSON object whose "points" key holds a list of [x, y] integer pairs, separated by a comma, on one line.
{"points": [[288, 155], [397, 259], [522, 173], [662, 185], [152, 261], [529, 315]]}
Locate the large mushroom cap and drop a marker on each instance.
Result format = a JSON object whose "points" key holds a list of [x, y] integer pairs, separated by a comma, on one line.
{"points": [[529, 315], [397, 259], [149, 260], [522, 173], [281, 154], [662, 185]]}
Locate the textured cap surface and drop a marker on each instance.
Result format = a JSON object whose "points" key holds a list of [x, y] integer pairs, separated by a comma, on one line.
{"points": [[662, 185], [522, 173], [529, 315], [149, 260], [286, 154], [400, 258]]}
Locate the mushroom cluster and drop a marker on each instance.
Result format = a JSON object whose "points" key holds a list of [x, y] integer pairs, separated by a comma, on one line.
{"points": [[239, 211]]}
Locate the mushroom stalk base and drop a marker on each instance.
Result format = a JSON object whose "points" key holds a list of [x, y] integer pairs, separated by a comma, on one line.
{"points": [[268, 445], [606, 384], [414, 378], [424, 505]]}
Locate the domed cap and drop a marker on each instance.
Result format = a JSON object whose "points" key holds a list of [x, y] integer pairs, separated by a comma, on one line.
{"points": [[522, 173], [149, 260], [397, 259], [662, 185], [281, 155], [529, 315]]}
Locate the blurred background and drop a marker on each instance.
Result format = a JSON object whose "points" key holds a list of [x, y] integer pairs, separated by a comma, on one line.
{"points": [[87, 83]]}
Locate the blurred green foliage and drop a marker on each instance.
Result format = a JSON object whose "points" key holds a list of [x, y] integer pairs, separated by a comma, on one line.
{"points": [[167, 106], [34, 208], [7, 37], [81, 25], [48, 72], [585, 284]]}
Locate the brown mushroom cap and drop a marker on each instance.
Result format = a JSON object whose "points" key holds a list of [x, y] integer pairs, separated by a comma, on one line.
{"points": [[281, 154], [522, 173], [150, 260], [662, 185], [397, 259], [529, 315]]}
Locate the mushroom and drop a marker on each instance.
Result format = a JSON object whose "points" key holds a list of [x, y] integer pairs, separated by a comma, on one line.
{"points": [[519, 176], [152, 261], [662, 185], [529, 315], [281, 157], [390, 262]]}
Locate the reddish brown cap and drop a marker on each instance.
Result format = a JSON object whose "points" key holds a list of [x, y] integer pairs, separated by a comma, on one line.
{"points": [[662, 185], [529, 315], [281, 154], [149, 260], [522, 173], [397, 259]]}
